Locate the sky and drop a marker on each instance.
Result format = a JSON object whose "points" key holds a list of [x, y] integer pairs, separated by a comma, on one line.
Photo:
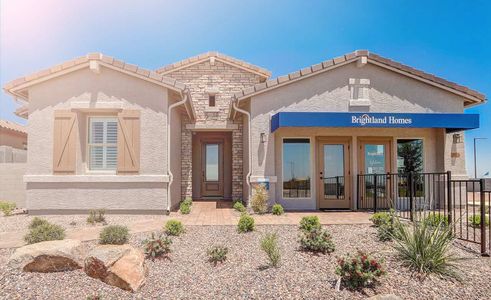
{"points": [[451, 39]]}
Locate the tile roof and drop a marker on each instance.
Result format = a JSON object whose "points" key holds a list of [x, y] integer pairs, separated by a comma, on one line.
{"points": [[225, 58], [354, 56], [12, 126], [104, 59], [22, 111]]}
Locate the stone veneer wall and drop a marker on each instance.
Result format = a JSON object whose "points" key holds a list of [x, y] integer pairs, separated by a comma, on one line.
{"points": [[227, 80]]}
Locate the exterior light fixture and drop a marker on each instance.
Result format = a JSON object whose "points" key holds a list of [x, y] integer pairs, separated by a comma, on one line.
{"points": [[457, 138], [263, 137]]}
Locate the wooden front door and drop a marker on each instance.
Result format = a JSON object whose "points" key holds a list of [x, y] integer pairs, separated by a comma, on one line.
{"points": [[212, 168], [334, 173]]}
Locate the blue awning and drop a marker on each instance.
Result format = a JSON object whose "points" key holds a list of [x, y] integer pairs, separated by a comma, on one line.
{"points": [[451, 122]]}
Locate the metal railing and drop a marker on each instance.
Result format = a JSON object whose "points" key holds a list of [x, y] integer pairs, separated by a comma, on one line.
{"points": [[416, 196], [333, 187]]}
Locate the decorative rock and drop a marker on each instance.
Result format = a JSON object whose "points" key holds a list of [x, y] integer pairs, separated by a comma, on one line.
{"points": [[385, 297], [49, 256], [118, 265]]}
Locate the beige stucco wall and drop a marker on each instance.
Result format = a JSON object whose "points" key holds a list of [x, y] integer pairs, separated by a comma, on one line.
{"points": [[108, 92], [330, 92], [12, 186]]}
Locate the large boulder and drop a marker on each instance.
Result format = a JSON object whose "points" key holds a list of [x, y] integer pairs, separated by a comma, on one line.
{"points": [[49, 256], [118, 265]]}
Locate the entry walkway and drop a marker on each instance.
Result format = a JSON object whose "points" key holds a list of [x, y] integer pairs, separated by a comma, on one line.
{"points": [[202, 213]]}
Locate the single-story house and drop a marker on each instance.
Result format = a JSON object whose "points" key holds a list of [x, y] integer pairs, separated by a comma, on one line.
{"points": [[103, 133]]}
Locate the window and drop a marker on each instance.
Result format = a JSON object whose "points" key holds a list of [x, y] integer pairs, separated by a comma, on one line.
{"points": [[211, 101], [296, 168], [103, 148], [410, 155]]}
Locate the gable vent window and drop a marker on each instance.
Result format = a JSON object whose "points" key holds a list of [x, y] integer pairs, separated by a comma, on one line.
{"points": [[211, 100], [103, 148]]}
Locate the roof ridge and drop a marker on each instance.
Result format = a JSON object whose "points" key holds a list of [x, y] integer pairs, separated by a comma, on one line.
{"points": [[193, 59], [12, 126], [350, 57]]}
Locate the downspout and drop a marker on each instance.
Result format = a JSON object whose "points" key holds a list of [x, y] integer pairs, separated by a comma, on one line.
{"points": [[248, 177], [171, 176]]}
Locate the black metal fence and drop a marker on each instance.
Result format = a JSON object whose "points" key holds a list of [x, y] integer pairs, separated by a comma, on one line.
{"points": [[465, 204]]}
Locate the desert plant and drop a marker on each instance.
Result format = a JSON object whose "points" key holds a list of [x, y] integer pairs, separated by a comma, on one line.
{"points": [[37, 221], [217, 254], [174, 227], [156, 247], [425, 247], [436, 219], [246, 223], [184, 208], [95, 296], [96, 216], [316, 240], [277, 209], [7, 207], [385, 231], [380, 218], [259, 201], [359, 270], [114, 235], [188, 201], [269, 244], [44, 232], [238, 206], [309, 223], [475, 221]]}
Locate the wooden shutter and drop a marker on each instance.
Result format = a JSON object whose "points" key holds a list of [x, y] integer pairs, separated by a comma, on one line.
{"points": [[64, 142], [129, 141]]}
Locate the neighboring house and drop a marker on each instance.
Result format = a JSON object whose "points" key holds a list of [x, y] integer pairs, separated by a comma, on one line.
{"points": [[107, 134], [13, 135]]}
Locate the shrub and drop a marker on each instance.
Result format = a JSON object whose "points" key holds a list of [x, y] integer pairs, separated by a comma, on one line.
{"points": [[37, 221], [425, 248], [155, 247], [238, 206], [317, 240], [277, 209], [269, 244], [185, 208], [174, 227], [359, 270], [385, 231], [380, 218], [7, 207], [309, 223], [259, 202], [96, 216], [114, 235], [44, 231], [95, 296], [475, 221], [436, 220], [246, 223], [188, 201], [217, 254]]}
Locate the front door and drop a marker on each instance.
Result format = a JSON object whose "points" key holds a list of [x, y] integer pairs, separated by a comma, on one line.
{"points": [[334, 179], [212, 168]]}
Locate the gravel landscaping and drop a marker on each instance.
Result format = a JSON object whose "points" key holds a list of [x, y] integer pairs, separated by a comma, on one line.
{"points": [[244, 275]]}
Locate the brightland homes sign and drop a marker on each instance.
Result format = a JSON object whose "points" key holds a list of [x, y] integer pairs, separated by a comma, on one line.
{"points": [[451, 122], [368, 119]]}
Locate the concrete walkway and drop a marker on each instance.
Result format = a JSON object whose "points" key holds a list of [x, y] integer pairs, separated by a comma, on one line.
{"points": [[202, 213]]}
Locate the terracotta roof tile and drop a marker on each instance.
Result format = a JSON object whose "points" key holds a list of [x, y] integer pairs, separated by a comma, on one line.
{"points": [[12, 126]]}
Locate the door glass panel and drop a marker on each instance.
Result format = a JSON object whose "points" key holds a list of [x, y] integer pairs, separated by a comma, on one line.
{"points": [[333, 176], [374, 159], [211, 168]]}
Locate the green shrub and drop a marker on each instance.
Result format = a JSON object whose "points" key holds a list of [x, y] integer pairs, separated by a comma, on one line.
{"points": [[475, 221], [425, 248], [44, 232], [316, 240], [238, 206], [96, 216], [259, 201], [174, 227], [185, 208], [277, 209], [188, 201], [217, 254], [385, 231], [246, 223], [269, 244], [436, 220], [114, 235], [7, 207], [156, 247], [309, 223], [359, 270], [37, 221], [380, 218]]}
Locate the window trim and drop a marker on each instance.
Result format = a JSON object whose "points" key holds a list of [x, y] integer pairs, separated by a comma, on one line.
{"points": [[411, 138], [310, 167], [88, 170]]}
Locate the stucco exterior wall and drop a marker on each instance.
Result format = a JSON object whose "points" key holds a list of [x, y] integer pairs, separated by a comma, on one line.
{"points": [[88, 94], [12, 186]]}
